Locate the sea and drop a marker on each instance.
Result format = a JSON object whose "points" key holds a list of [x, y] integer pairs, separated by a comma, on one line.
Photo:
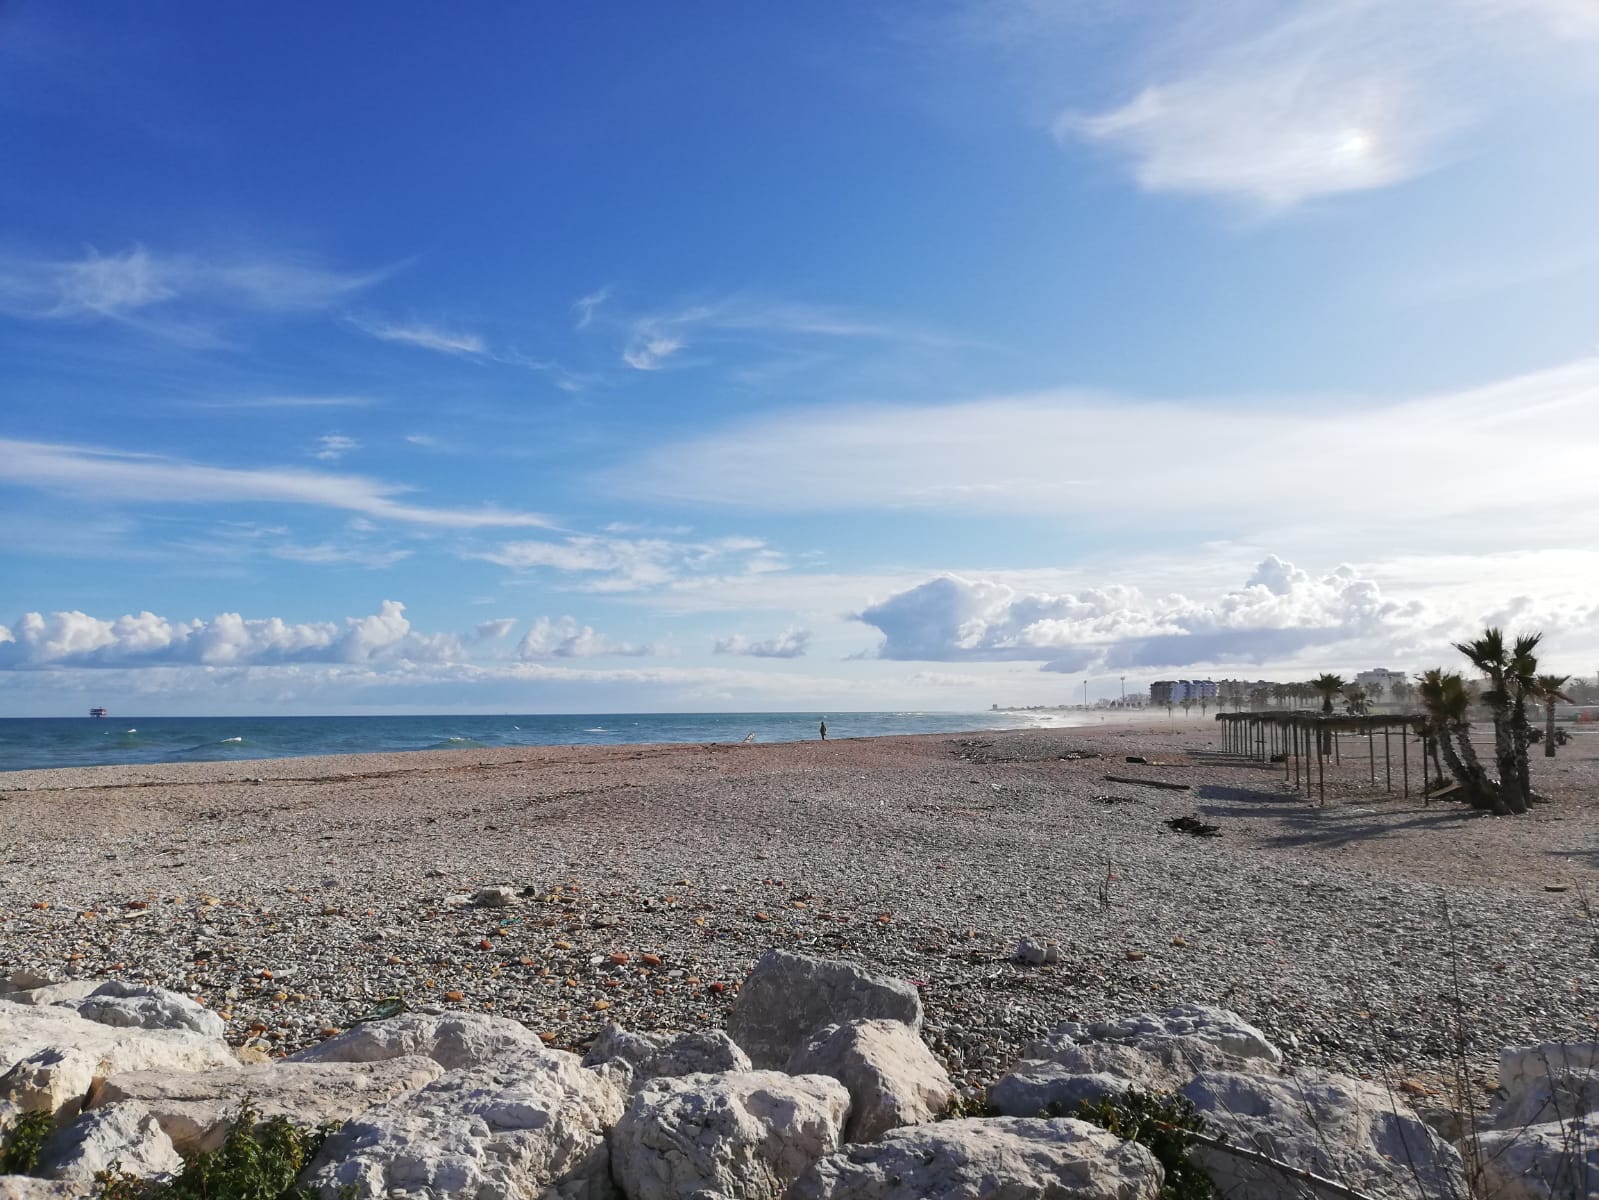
{"points": [[28, 743]]}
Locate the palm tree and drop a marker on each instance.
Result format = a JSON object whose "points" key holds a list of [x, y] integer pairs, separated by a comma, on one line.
{"points": [[1522, 679], [1446, 701], [1399, 690], [1328, 686], [1355, 700], [1489, 655], [1375, 693], [1547, 688]]}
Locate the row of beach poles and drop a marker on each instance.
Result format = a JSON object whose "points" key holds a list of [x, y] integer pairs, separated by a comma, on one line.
{"points": [[1304, 741]]}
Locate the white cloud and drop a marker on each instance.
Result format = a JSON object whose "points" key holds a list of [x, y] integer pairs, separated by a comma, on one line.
{"points": [[1281, 615], [1339, 96], [75, 639], [791, 643], [586, 306], [113, 475], [487, 631], [563, 637], [649, 352], [654, 338], [415, 333], [333, 446], [327, 554], [126, 284], [618, 564], [1273, 471]]}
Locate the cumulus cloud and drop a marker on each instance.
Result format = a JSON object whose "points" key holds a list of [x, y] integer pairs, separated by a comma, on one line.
{"points": [[1280, 612], [563, 637], [76, 639], [621, 564], [791, 643], [485, 631]]}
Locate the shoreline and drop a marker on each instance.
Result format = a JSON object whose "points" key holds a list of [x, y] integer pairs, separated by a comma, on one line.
{"points": [[377, 761], [294, 894]]}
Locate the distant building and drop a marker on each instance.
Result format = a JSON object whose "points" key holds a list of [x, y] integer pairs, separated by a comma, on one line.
{"points": [[1175, 691], [1379, 677]]}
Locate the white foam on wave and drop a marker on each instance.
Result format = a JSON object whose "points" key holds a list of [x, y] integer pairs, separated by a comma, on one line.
{"points": [[225, 741]]}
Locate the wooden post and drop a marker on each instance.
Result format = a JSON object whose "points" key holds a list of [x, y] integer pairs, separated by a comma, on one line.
{"points": [[1404, 750], [1388, 759], [1371, 755], [1321, 770]]}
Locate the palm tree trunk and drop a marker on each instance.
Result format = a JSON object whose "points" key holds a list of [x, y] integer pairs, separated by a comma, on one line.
{"points": [[1549, 729], [1481, 792], [1518, 733], [1510, 794]]}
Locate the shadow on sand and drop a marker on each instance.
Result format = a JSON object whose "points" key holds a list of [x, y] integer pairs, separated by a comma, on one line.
{"points": [[1339, 825]]}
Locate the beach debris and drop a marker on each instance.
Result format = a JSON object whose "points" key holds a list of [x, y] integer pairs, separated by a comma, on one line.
{"points": [[1036, 953], [1154, 783], [1139, 759], [495, 897], [1194, 826], [1107, 798]]}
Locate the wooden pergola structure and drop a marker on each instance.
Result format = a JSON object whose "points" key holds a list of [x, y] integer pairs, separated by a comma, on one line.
{"points": [[1303, 741]]}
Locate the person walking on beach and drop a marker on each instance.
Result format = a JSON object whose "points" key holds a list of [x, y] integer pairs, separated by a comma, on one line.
{"points": [[823, 729]]}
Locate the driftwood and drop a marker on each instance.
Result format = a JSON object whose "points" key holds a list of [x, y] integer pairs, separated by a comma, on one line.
{"points": [[1154, 783], [1194, 826]]}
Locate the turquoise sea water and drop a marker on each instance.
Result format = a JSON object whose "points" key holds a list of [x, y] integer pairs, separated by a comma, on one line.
{"points": [[28, 743]]}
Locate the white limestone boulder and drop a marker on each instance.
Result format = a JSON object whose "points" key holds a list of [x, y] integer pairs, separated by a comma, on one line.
{"points": [[139, 1006], [56, 1080], [125, 1136], [1335, 1126], [1553, 1161], [892, 1077], [787, 998], [530, 1124], [657, 1055], [453, 1040], [54, 993], [1543, 1140], [27, 1029], [739, 1136], [1184, 1040], [196, 1110], [1048, 1089], [999, 1158]]}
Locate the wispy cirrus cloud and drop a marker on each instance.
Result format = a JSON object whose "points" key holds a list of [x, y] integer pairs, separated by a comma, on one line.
{"points": [[1127, 464], [652, 340], [333, 446], [1281, 105], [422, 334], [114, 475], [136, 283], [622, 564], [585, 307]]}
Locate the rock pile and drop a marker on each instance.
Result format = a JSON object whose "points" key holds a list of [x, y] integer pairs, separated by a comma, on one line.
{"points": [[821, 1089]]}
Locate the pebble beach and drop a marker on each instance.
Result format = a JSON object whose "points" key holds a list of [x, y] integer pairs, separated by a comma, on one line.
{"points": [[1376, 934]]}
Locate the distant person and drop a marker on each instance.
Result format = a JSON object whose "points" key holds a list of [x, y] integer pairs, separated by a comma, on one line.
{"points": [[823, 729]]}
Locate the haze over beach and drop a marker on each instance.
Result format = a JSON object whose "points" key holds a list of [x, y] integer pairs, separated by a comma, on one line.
{"points": [[909, 356]]}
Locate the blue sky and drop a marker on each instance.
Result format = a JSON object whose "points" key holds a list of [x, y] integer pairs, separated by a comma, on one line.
{"points": [[544, 358]]}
